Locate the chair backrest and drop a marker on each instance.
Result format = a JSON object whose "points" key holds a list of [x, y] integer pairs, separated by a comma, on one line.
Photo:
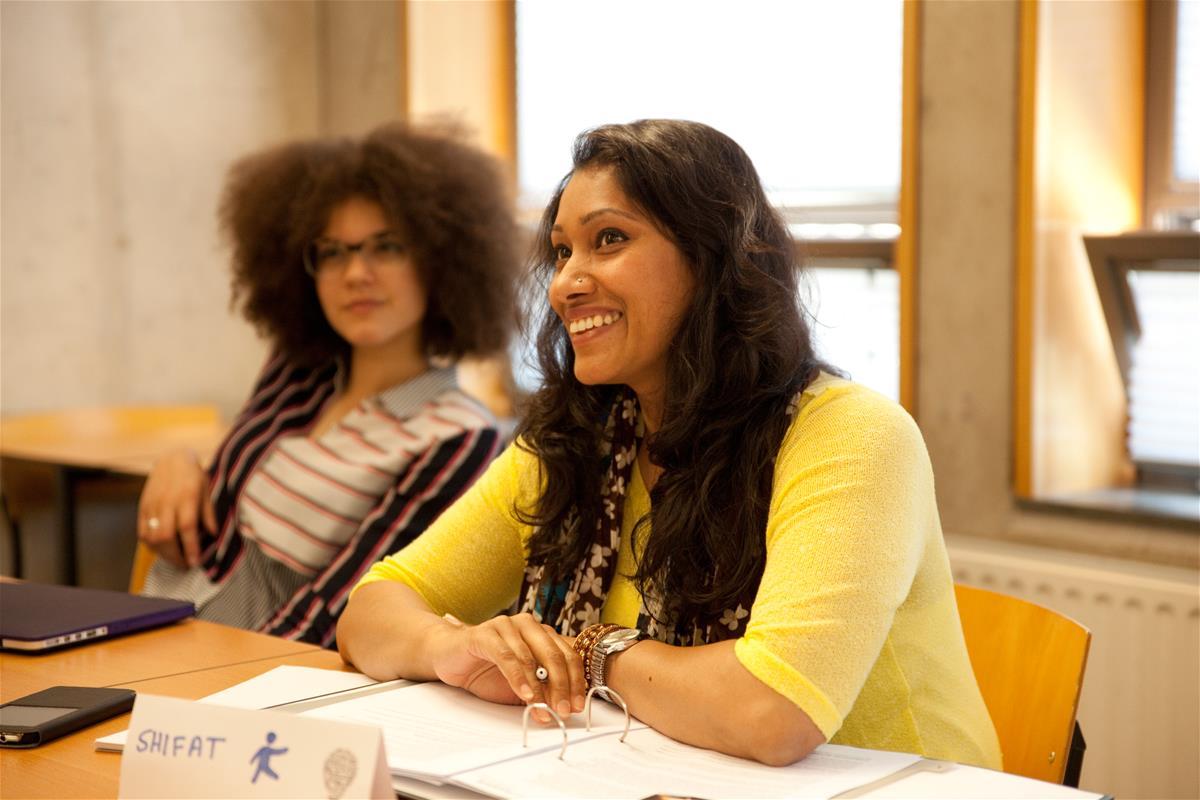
{"points": [[1029, 663], [143, 559]]}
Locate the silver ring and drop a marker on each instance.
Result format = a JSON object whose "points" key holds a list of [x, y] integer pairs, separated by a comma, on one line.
{"points": [[153, 523], [542, 674]]}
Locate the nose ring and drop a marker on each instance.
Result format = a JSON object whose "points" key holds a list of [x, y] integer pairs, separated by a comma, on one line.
{"points": [[579, 279]]}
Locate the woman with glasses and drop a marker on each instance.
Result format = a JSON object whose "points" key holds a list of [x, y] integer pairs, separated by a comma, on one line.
{"points": [[696, 513], [371, 265]]}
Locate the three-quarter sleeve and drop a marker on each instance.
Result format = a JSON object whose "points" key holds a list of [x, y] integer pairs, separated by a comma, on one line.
{"points": [[851, 509]]}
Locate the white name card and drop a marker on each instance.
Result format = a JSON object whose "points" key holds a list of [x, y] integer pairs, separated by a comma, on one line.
{"points": [[179, 748]]}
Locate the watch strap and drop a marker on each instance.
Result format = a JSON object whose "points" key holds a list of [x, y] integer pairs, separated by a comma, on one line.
{"points": [[609, 644]]}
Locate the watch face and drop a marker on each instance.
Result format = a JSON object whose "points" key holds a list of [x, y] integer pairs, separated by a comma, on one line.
{"points": [[618, 640]]}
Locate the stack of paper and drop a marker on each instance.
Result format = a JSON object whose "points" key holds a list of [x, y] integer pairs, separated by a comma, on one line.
{"points": [[440, 735], [433, 732], [440, 741], [648, 763]]}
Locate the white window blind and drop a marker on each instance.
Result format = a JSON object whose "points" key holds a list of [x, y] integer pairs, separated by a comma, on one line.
{"points": [[1164, 383]]}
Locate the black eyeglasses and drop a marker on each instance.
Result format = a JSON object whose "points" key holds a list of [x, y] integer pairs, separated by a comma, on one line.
{"points": [[329, 256]]}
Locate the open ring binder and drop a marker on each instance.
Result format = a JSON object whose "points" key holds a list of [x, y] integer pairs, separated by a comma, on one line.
{"points": [[525, 726], [612, 696], [587, 716]]}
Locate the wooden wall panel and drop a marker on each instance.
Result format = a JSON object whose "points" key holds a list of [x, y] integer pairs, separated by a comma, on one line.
{"points": [[1087, 178]]}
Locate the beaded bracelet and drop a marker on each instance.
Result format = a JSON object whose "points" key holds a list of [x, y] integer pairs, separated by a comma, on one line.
{"points": [[586, 641]]}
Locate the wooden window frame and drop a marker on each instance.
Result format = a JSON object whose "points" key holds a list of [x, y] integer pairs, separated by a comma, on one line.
{"points": [[847, 250]]}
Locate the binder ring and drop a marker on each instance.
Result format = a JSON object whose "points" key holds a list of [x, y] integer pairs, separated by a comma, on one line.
{"points": [[613, 697], [557, 718]]}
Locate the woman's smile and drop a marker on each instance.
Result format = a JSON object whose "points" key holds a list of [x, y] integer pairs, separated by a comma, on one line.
{"points": [[590, 322]]}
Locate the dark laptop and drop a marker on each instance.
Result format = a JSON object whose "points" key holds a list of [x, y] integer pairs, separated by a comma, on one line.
{"points": [[39, 616]]}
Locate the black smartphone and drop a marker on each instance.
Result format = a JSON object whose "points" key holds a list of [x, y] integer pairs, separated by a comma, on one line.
{"points": [[39, 717]]}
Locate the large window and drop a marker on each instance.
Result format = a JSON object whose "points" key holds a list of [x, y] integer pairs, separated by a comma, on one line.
{"points": [[1108, 404], [856, 312], [811, 90], [1149, 280], [1173, 115], [1185, 125]]}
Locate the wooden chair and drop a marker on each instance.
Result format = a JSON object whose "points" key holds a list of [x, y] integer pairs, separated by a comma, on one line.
{"points": [[143, 558], [1029, 663]]}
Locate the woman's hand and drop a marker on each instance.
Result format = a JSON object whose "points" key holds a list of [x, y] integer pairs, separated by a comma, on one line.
{"points": [[498, 661], [172, 502], [388, 631]]}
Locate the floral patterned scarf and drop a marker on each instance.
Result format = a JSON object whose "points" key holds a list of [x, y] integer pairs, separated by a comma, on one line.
{"points": [[575, 603]]}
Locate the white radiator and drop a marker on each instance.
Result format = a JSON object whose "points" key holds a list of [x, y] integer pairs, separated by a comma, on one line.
{"points": [[1140, 705]]}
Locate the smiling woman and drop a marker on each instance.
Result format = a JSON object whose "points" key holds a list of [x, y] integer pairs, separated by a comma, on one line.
{"points": [[352, 442], [696, 513]]}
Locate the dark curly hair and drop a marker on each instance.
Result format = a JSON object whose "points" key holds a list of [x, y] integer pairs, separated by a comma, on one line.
{"points": [[449, 200], [741, 354]]}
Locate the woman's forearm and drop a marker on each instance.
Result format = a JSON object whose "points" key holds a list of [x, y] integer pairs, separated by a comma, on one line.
{"points": [[704, 696], [387, 631], [698, 695]]}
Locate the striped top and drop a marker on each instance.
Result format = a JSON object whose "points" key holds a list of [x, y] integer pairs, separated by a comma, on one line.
{"points": [[300, 519]]}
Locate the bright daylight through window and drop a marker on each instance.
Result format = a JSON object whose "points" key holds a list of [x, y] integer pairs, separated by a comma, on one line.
{"points": [[810, 90]]}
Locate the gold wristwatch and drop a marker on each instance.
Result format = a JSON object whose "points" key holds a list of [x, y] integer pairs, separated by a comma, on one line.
{"points": [[610, 643]]}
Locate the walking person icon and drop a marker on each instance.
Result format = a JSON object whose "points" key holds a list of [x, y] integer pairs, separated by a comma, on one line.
{"points": [[263, 757]]}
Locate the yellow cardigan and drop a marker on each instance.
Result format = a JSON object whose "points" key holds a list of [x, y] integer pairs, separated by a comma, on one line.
{"points": [[855, 620]]}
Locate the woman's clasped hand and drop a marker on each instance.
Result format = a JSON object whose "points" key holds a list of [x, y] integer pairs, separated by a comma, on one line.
{"points": [[498, 660], [172, 507]]}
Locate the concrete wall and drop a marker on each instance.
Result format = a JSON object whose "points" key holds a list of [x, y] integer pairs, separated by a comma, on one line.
{"points": [[965, 216], [119, 121]]}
